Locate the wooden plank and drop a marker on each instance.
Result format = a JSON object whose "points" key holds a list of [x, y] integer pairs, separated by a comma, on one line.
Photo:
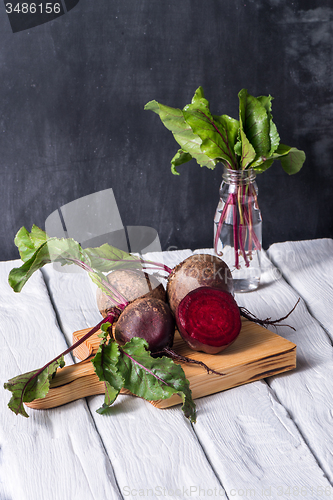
{"points": [[315, 285], [307, 393], [257, 353]]}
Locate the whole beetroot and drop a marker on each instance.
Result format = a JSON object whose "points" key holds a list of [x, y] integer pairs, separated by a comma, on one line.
{"points": [[131, 285], [199, 270], [150, 319]]}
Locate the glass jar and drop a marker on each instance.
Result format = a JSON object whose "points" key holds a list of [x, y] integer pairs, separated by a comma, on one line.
{"points": [[237, 228]]}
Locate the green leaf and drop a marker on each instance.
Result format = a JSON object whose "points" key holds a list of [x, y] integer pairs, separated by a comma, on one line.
{"points": [[218, 134], [262, 166], [154, 378], [131, 366], [105, 364], [266, 102], [245, 150], [179, 158], [108, 258], [68, 251], [198, 95], [174, 120], [30, 386], [274, 137], [27, 243], [65, 251], [255, 123], [293, 161]]}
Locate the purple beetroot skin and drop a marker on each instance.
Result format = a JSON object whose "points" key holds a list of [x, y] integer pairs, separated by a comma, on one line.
{"points": [[196, 271], [147, 318]]}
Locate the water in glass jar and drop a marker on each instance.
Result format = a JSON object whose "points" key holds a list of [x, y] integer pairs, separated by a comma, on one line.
{"points": [[247, 277]]}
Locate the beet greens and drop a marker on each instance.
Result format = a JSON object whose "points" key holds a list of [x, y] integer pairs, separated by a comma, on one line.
{"points": [[252, 142], [130, 365]]}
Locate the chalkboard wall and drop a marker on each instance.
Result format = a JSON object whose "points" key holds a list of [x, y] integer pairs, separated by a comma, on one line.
{"points": [[72, 123]]}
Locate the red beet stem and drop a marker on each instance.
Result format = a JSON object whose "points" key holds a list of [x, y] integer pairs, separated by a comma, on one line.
{"points": [[235, 224], [242, 223], [219, 227]]}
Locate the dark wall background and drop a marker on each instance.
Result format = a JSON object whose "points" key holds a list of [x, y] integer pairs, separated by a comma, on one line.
{"points": [[72, 93]]}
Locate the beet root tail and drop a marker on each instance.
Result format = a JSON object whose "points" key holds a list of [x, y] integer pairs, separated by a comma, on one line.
{"points": [[184, 359], [268, 321]]}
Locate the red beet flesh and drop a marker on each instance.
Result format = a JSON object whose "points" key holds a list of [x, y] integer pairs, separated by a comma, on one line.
{"points": [[208, 319]]}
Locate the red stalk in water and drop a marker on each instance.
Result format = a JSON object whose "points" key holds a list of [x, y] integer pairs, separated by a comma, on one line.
{"points": [[243, 230]]}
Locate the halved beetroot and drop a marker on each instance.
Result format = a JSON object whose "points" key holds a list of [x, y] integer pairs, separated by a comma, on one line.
{"points": [[208, 319], [196, 271]]}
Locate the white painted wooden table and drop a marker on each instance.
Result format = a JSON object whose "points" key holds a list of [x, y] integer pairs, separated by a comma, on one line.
{"points": [[268, 439]]}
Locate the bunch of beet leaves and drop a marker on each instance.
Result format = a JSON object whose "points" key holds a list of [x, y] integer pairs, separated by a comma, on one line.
{"points": [[250, 143], [131, 365]]}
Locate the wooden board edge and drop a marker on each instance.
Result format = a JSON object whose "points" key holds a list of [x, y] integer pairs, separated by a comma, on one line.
{"points": [[88, 383], [283, 362]]}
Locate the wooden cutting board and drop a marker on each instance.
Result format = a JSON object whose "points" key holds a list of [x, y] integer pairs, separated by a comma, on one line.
{"points": [[257, 353]]}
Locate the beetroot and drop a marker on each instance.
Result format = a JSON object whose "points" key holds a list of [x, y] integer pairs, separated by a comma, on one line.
{"points": [[197, 271], [150, 319], [208, 319], [131, 284]]}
